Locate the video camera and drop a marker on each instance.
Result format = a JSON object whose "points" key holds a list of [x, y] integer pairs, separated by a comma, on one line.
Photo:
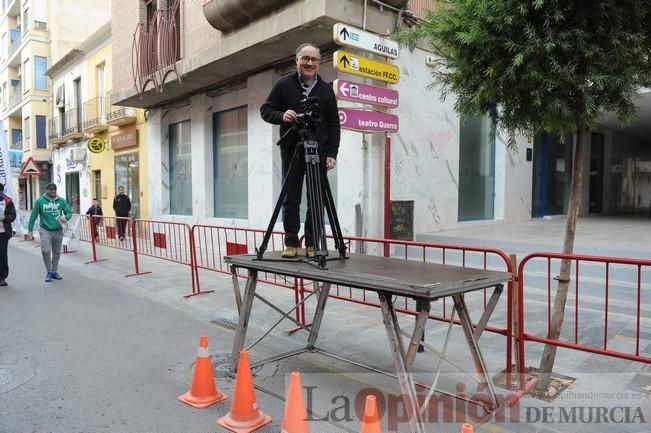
{"points": [[310, 113]]}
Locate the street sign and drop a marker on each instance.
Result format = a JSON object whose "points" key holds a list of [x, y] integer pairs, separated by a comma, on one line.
{"points": [[365, 67], [96, 144], [367, 121], [30, 168], [365, 94], [349, 36]]}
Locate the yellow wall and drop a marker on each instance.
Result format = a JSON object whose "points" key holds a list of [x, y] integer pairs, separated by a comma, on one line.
{"points": [[105, 161]]}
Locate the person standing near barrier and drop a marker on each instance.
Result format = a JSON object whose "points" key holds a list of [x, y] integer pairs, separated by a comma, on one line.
{"points": [[121, 206], [8, 212], [282, 108], [52, 212], [95, 211]]}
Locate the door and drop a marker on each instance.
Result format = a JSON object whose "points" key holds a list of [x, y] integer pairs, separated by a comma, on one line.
{"points": [[72, 191], [596, 173], [552, 172]]}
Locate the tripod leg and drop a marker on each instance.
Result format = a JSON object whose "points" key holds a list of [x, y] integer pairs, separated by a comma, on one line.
{"points": [[332, 216], [274, 217]]}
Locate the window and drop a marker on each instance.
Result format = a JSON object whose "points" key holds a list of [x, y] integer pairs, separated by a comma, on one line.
{"points": [[16, 139], [152, 8], [180, 169], [41, 139], [26, 19], [476, 169], [127, 174], [40, 79], [230, 143], [27, 126], [100, 84], [26, 78]]}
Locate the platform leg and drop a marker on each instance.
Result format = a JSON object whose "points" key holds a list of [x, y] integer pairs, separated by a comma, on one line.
{"points": [[466, 325], [324, 291], [245, 314], [407, 386]]}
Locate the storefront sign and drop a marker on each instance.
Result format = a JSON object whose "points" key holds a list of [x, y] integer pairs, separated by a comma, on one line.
{"points": [[96, 145], [367, 121], [128, 139], [365, 94], [365, 67], [349, 36]]}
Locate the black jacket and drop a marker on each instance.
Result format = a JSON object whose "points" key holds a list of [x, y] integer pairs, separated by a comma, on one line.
{"points": [[121, 205], [286, 94], [9, 216]]}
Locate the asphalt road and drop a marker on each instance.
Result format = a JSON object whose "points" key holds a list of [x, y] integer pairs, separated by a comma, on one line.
{"points": [[90, 354]]}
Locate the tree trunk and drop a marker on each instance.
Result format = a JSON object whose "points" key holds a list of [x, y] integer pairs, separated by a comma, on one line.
{"points": [[549, 354]]}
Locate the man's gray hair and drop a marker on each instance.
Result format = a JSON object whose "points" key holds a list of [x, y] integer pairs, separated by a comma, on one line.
{"points": [[306, 44]]}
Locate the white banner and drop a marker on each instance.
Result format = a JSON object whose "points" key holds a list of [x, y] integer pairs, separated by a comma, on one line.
{"points": [[6, 177]]}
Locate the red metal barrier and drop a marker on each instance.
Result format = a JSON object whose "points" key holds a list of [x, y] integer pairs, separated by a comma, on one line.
{"points": [[591, 301], [212, 243], [459, 255]]}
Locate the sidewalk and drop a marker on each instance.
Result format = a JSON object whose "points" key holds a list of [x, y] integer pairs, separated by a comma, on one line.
{"points": [[622, 236], [357, 332]]}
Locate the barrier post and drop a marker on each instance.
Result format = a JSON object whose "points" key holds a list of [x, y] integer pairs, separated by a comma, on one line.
{"points": [[194, 266], [93, 242], [134, 238]]}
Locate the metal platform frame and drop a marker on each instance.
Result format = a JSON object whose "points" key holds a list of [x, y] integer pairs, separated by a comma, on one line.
{"points": [[403, 358]]}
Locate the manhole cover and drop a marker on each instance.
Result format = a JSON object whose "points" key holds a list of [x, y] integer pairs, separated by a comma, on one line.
{"points": [[12, 376], [224, 323], [640, 383], [221, 363]]}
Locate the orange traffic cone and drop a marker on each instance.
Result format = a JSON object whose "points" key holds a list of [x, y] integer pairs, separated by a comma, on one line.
{"points": [[203, 391], [371, 420], [295, 418], [244, 416], [466, 428]]}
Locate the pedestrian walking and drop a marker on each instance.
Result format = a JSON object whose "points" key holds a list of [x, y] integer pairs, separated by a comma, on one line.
{"points": [[8, 212], [95, 213], [121, 206], [52, 212]]}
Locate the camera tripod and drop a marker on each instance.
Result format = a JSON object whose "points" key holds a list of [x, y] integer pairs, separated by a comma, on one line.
{"points": [[318, 195]]}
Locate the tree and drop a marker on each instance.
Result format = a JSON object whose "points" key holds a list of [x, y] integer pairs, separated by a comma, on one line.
{"points": [[542, 66]]}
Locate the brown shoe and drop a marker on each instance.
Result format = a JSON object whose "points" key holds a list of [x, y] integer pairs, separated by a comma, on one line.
{"points": [[290, 252], [309, 251]]}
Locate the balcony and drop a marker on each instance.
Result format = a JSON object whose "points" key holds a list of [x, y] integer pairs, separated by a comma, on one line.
{"points": [[13, 47], [95, 115], [15, 99], [72, 125], [118, 116], [54, 130]]}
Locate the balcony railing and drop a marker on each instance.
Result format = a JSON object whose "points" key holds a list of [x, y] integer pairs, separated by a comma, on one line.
{"points": [[17, 145], [155, 48], [95, 111], [54, 130], [15, 99], [13, 47], [72, 125], [120, 115]]}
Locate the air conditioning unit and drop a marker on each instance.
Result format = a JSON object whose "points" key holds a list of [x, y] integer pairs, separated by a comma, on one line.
{"points": [[78, 154]]}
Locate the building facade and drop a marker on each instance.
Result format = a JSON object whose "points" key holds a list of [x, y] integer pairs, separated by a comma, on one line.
{"points": [[95, 143], [202, 71]]}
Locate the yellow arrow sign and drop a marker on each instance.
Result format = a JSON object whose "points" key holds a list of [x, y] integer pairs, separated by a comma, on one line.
{"points": [[365, 67]]}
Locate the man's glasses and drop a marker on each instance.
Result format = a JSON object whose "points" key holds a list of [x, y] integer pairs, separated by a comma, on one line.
{"points": [[308, 59]]}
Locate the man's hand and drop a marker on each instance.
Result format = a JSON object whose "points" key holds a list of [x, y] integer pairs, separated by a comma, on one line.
{"points": [[289, 116], [29, 236], [330, 163]]}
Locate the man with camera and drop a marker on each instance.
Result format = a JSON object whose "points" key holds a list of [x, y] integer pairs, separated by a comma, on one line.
{"points": [[305, 98]]}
